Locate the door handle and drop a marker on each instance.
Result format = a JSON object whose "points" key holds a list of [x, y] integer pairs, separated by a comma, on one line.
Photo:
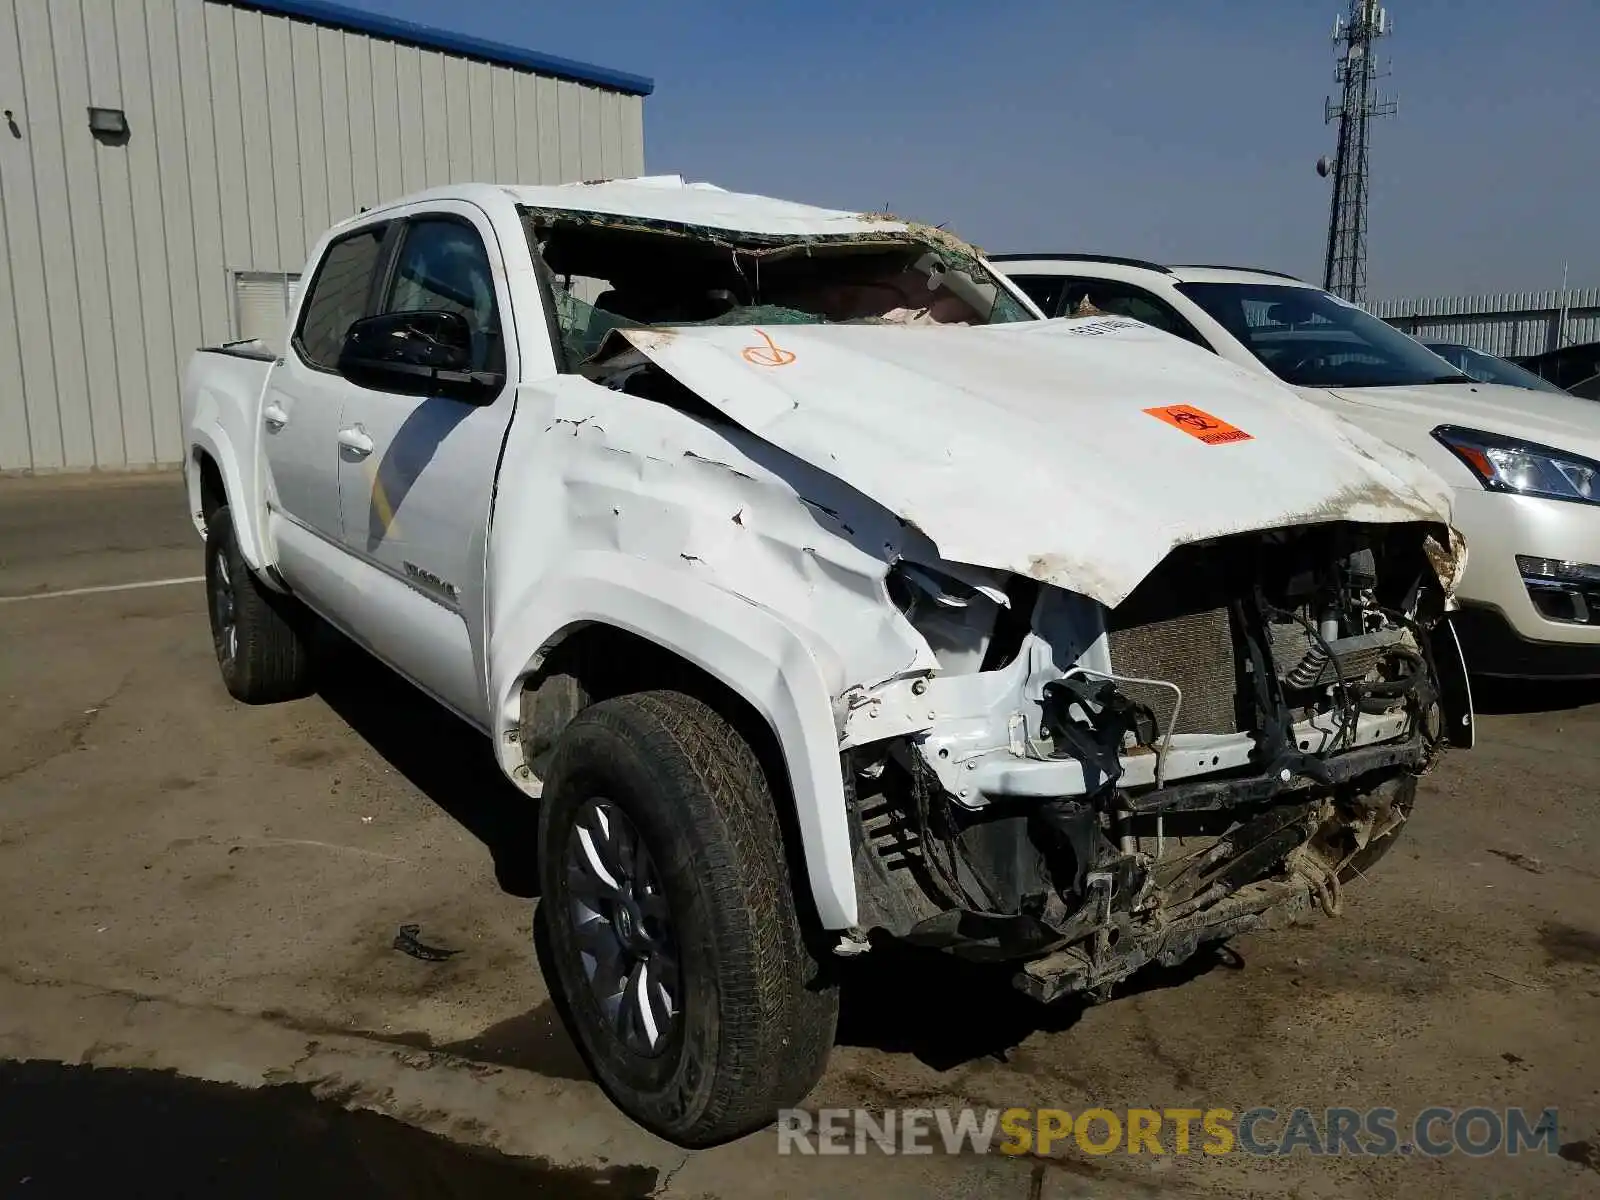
{"points": [[355, 440], [274, 417]]}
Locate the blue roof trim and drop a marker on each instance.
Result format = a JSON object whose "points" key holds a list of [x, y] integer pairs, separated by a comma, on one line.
{"points": [[358, 21]]}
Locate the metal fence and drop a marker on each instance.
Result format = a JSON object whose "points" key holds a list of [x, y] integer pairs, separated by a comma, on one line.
{"points": [[1509, 324]]}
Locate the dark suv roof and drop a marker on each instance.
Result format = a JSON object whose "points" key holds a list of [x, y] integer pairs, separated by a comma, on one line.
{"points": [[1565, 366]]}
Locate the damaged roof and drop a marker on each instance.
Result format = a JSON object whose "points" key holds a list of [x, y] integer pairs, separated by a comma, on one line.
{"points": [[671, 198]]}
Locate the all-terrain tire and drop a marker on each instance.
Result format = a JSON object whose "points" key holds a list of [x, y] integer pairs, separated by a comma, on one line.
{"points": [[757, 1014], [259, 635]]}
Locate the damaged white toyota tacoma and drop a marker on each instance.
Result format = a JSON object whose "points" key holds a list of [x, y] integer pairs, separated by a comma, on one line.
{"points": [[825, 590]]}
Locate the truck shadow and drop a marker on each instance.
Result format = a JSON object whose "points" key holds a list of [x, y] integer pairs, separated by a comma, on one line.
{"points": [[875, 1012], [445, 758], [1509, 696], [76, 1130]]}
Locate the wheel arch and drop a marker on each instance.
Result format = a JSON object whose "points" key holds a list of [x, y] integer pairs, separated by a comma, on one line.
{"points": [[212, 493], [621, 625], [213, 479]]}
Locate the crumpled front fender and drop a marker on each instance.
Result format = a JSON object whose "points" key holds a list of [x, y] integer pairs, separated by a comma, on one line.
{"points": [[744, 645]]}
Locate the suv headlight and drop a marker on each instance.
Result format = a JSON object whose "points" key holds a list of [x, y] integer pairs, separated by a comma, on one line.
{"points": [[1506, 464]]}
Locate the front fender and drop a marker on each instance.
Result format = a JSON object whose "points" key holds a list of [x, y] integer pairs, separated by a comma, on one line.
{"points": [[744, 645]]}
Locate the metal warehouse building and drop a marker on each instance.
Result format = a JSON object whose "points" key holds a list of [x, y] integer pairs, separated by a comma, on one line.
{"points": [[165, 165]]}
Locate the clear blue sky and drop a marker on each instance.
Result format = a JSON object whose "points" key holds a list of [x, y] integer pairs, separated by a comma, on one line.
{"points": [[1176, 131]]}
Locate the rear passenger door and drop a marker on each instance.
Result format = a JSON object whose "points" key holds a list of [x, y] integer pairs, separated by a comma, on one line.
{"points": [[416, 472]]}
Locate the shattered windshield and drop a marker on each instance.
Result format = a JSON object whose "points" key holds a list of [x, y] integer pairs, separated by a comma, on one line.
{"points": [[608, 272]]}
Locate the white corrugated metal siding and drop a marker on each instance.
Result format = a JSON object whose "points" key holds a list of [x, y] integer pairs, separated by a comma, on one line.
{"points": [[250, 133]]}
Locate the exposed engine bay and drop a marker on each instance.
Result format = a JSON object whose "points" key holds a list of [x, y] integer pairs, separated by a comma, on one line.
{"points": [[1106, 788]]}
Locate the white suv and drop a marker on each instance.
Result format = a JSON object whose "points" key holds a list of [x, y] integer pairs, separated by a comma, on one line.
{"points": [[1523, 464]]}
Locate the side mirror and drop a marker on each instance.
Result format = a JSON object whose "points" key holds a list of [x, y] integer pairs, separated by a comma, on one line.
{"points": [[425, 352]]}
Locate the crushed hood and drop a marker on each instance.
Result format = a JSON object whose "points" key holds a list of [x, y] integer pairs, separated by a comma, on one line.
{"points": [[1031, 448]]}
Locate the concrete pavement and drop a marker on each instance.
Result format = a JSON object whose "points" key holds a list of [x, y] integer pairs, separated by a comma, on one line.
{"points": [[196, 885]]}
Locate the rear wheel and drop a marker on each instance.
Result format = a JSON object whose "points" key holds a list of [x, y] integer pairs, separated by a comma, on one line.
{"points": [[672, 926], [259, 635]]}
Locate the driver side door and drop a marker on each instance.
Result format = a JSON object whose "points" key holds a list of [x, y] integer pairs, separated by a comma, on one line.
{"points": [[417, 470]]}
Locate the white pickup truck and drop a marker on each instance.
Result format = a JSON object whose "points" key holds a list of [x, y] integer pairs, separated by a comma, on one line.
{"points": [[825, 590]]}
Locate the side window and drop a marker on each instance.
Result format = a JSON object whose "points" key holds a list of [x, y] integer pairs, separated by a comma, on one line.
{"points": [[1120, 299], [338, 295], [1043, 290], [443, 267]]}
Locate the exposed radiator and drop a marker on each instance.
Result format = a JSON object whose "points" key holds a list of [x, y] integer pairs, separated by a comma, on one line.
{"points": [[1348, 659], [1194, 651]]}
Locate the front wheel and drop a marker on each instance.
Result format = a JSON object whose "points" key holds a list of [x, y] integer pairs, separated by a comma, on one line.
{"points": [[258, 634], [673, 933]]}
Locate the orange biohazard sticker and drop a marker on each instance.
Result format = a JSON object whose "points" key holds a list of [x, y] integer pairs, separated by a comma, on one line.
{"points": [[770, 355], [1197, 423]]}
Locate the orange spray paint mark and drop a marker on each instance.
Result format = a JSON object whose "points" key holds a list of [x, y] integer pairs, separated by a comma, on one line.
{"points": [[770, 355]]}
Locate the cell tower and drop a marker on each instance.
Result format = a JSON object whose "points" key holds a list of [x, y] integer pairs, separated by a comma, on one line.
{"points": [[1345, 269]]}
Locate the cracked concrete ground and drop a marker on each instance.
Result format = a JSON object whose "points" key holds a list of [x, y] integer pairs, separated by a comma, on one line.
{"points": [[191, 884]]}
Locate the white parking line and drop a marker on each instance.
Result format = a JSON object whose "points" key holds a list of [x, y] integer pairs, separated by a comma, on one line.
{"points": [[108, 587]]}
